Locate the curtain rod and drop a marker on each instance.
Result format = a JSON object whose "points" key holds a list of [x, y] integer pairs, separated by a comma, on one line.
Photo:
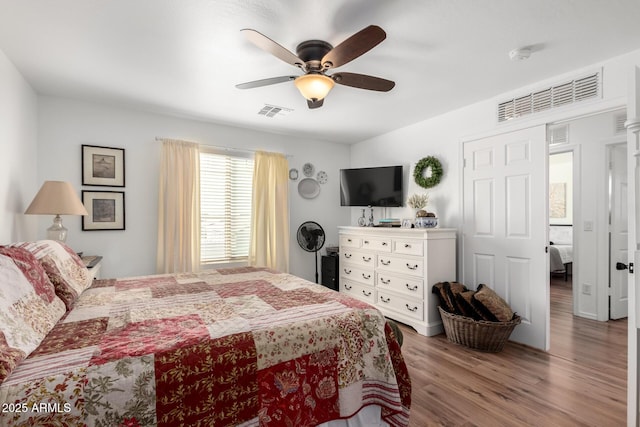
{"points": [[219, 147]]}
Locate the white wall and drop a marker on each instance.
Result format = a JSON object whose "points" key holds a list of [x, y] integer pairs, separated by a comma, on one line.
{"points": [[443, 136], [18, 144], [64, 125]]}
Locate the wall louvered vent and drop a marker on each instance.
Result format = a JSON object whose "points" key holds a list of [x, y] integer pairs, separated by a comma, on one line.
{"points": [[556, 96], [558, 134], [618, 124]]}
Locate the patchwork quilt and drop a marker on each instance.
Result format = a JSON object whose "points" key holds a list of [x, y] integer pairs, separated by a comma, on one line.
{"points": [[228, 347]]}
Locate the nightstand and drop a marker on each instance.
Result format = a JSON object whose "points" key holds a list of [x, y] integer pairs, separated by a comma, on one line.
{"points": [[93, 264]]}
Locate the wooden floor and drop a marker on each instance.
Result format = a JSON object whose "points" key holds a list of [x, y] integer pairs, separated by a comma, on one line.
{"points": [[580, 382]]}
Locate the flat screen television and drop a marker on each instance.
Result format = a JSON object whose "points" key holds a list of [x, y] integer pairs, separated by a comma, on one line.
{"points": [[377, 186]]}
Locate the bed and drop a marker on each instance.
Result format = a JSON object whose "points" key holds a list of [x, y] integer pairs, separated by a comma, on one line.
{"points": [[233, 347], [560, 249]]}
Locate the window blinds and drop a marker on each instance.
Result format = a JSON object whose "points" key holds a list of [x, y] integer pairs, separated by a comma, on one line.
{"points": [[225, 206]]}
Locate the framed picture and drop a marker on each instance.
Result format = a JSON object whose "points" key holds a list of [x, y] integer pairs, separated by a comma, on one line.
{"points": [[407, 223], [106, 210], [103, 166]]}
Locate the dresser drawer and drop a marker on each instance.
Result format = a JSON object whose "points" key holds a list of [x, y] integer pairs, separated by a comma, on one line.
{"points": [[350, 242], [405, 265], [411, 287], [358, 290], [411, 307], [348, 256], [357, 274], [376, 244], [408, 247]]}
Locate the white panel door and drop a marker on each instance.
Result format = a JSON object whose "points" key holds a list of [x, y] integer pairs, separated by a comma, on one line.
{"points": [[505, 235], [618, 232], [633, 200]]}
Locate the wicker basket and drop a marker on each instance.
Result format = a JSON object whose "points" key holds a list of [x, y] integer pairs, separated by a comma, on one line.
{"points": [[477, 334]]}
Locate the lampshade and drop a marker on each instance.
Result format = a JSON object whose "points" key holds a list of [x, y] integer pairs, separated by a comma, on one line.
{"points": [[314, 87], [56, 198]]}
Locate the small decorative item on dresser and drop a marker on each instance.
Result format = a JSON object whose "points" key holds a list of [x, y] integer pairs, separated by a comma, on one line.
{"points": [[418, 201], [426, 219]]}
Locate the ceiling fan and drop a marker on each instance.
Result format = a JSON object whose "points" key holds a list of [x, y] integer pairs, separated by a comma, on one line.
{"points": [[316, 57]]}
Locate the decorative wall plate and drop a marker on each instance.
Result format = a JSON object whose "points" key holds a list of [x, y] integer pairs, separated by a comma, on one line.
{"points": [[308, 169], [293, 174], [309, 188], [322, 177]]}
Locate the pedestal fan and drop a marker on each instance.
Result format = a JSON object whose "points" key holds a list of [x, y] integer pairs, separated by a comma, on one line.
{"points": [[311, 238]]}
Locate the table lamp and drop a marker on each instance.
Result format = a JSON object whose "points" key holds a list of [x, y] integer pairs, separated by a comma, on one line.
{"points": [[56, 198]]}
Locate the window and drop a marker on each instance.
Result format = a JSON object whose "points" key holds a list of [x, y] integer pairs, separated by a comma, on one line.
{"points": [[225, 206]]}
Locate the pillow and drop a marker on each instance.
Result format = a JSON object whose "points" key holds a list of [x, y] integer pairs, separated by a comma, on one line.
{"points": [[446, 294], [491, 305], [441, 292], [63, 266], [452, 289], [463, 299], [32, 270], [25, 315]]}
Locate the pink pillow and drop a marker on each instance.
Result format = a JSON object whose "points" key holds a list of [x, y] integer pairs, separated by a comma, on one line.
{"points": [[63, 266], [32, 270], [26, 314]]}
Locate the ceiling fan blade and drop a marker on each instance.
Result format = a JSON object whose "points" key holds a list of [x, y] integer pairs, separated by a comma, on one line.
{"points": [[315, 104], [265, 43], [362, 81], [265, 82], [356, 45]]}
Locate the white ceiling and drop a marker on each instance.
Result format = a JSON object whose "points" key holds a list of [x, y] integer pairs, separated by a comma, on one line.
{"points": [[184, 57]]}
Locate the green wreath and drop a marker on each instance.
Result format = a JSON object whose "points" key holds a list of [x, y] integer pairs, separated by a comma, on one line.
{"points": [[422, 166]]}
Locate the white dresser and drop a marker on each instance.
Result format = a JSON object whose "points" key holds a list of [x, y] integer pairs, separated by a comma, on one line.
{"points": [[395, 268]]}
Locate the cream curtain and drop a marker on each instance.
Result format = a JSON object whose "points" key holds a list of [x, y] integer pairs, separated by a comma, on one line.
{"points": [[179, 208], [269, 243]]}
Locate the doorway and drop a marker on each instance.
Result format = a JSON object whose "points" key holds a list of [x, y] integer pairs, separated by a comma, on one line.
{"points": [[562, 183], [561, 194]]}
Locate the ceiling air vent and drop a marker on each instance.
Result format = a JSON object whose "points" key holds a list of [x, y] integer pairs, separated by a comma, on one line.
{"points": [[570, 92], [273, 111]]}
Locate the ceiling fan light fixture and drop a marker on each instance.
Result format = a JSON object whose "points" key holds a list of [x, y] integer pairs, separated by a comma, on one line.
{"points": [[314, 87]]}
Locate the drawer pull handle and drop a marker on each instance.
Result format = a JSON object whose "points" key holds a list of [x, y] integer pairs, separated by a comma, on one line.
{"points": [[366, 294], [366, 242], [347, 271], [385, 281], [384, 243], [383, 262], [349, 240], [366, 276], [348, 287], [366, 258], [411, 288], [347, 256], [412, 267], [386, 301], [411, 309], [406, 245]]}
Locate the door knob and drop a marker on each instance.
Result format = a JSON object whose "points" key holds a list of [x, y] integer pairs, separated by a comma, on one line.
{"points": [[621, 266]]}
